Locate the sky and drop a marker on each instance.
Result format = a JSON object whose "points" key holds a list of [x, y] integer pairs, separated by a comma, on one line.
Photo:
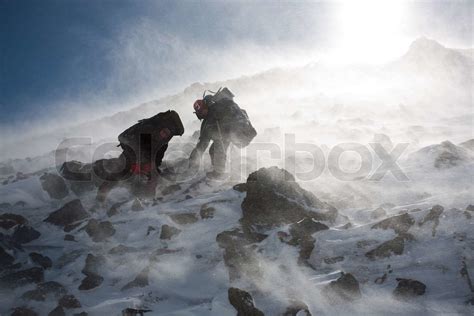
{"points": [[81, 57]]}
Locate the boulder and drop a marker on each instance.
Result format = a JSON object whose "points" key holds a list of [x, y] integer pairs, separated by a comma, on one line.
{"points": [[378, 213], [5, 258], [141, 280], [43, 261], [23, 277], [297, 308], [399, 223], [71, 212], [69, 301], [137, 206], [54, 185], [58, 311], [274, 198], [344, 289], [433, 216], [42, 290], [408, 288], [9, 220], [389, 248], [23, 311], [168, 231], [207, 212], [134, 312], [91, 282], [99, 231], [24, 234], [238, 255], [91, 270], [69, 237], [184, 218], [242, 301]]}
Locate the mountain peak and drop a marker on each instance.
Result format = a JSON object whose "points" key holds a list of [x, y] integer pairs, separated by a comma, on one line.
{"points": [[424, 43]]}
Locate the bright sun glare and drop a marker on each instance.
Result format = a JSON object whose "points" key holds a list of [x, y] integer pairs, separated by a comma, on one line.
{"points": [[369, 31]]}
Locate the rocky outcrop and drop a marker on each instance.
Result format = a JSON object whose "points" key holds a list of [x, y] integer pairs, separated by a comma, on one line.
{"points": [[243, 302], [238, 255], [43, 261], [274, 199], [399, 223], [207, 212], [70, 213], [91, 270], [99, 231], [24, 234], [8, 220], [433, 216], [141, 280], [388, 248], [408, 289], [43, 290], [297, 308], [344, 289], [184, 218], [168, 231], [23, 277], [69, 301], [5, 258], [54, 185], [23, 311]]}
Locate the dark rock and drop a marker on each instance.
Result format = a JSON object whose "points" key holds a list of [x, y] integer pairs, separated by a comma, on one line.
{"points": [[41, 260], [134, 312], [71, 212], [306, 227], [8, 220], [333, 260], [44, 289], [23, 277], [470, 208], [137, 206], [240, 187], [274, 199], [297, 307], [99, 231], [24, 234], [69, 301], [378, 213], [81, 314], [54, 185], [184, 218], [168, 231], [23, 311], [91, 282], [69, 237], [113, 210], [408, 288], [93, 264], [388, 248], [141, 280], [5, 258], [400, 223], [150, 229], [171, 189], [242, 301], [238, 256], [71, 227], [433, 216], [58, 311], [344, 289], [121, 249], [207, 212]]}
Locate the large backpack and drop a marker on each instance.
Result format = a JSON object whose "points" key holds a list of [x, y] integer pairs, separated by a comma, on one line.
{"points": [[235, 121], [130, 138]]}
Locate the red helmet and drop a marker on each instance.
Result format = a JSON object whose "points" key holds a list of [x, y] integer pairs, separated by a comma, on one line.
{"points": [[200, 108]]}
